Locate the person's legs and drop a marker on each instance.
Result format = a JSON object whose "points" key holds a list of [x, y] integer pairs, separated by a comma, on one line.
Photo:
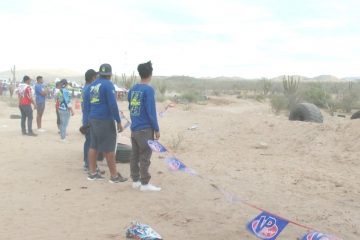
{"points": [[145, 153], [86, 149], [29, 114], [23, 120], [57, 119], [40, 110], [134, 160], [92, 160], [64, 120], [110, 159]]}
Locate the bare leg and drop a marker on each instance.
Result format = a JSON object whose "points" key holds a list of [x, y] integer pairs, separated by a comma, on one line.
{"points": [[92, 160], [38, 121], [110, 159]]}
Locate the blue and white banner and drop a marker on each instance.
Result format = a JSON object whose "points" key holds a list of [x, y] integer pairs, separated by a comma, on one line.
{"points": [[319, 236], [267, 226], [156, 146], [175, 164]]}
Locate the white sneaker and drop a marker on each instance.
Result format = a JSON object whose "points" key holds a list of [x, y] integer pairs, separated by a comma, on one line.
{"points": [[136, 184], [150, 187], [41, 130]]}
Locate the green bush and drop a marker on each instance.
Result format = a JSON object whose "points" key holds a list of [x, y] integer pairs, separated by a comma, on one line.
{"points": [[279, 103], [315, 94], [191, 97]]}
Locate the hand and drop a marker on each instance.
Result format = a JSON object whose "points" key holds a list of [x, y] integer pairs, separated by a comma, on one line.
{"points": [[157, 135], [120, 127], [72, 112], [35, 107]]}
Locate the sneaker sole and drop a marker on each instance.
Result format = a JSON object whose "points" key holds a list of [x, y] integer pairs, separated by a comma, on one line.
{"points": [[118, 181], [95, 179]]}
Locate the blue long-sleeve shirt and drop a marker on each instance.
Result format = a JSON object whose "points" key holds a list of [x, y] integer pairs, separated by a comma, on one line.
{"points": [[142, 108], [99, 102]]}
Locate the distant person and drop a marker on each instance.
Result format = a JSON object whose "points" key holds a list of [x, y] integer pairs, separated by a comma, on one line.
{"points": [[90, 76], [11, 89], [144, 127], [101, 112], [57, 103], [65, 108], [25, 101], [40, 94]]}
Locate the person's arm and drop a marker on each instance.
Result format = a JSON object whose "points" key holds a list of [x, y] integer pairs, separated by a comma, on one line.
{"points": [[86, 107], [150, 106], [68, 102], [28, 91], [43, 92], [111, 99]]}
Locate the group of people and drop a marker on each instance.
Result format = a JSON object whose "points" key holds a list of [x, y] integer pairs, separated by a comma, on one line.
{"points": [[62, 105], [101, 121]]}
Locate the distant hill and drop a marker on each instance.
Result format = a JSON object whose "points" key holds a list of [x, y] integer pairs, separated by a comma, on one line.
{"points": [[49, 75]]}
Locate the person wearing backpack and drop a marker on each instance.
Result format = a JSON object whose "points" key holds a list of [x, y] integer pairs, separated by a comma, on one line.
{"points": [[65, 108]]}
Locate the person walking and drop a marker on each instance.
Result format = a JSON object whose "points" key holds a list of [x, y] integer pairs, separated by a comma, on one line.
{"points": [[65, 108], [40, 93], [100, 113], [144, 127], [25, 101]]}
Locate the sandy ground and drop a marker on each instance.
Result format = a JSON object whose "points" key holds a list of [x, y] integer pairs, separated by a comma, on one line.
{"points": [[309, 173]]}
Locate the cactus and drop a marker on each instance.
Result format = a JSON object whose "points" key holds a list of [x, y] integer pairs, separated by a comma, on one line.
{"points": [[128, 82], [13, 73], [291, 85], [267, 85]]}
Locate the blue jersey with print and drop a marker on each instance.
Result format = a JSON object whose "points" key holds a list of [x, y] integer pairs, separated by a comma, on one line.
{"points": [[100, 102], [142, 108], [64, 97], [38, 89]]}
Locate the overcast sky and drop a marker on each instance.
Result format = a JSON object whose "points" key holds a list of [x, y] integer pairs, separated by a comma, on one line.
{"points": [[247, 38]]}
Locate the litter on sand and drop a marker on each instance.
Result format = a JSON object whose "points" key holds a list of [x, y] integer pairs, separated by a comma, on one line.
{"points": [[140, 231], [193, 127]]}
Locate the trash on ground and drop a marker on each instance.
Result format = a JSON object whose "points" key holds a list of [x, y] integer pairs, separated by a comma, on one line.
{"points": [[141, 231]]}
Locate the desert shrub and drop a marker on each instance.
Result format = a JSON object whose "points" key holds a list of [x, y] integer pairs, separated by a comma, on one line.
{"points": [[160, 98], [348, 101], [315, 94], [128, 82], [260, 97], [191, 97], [279, 103], [176, 141]]}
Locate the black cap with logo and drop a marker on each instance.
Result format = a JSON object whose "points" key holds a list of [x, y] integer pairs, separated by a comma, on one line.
{"points": [[105, 70]]}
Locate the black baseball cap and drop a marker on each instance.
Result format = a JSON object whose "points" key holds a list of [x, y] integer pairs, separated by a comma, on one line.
{"points": [[63, 82], [105, 70]]}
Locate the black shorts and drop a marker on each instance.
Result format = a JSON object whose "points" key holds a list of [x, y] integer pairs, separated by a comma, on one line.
{"points": [[103, 135]]}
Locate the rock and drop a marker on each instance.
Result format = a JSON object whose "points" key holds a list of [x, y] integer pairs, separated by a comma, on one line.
{"points": [[262, 145]]}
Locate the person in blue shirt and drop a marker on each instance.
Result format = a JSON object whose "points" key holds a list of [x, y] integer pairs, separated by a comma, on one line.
{"points": [[144, 127], [100, 113], [40, 96], [90, 76], [65, 108]]}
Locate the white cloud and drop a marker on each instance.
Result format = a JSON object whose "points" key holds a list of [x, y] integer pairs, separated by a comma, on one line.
{"points": [[200, 38]]}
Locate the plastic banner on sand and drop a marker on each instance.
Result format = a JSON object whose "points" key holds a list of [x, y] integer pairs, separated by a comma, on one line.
{"points": [[141, 232], [319, 236], [127, 124], [267, 226], [175, 164], [156, 146]]}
